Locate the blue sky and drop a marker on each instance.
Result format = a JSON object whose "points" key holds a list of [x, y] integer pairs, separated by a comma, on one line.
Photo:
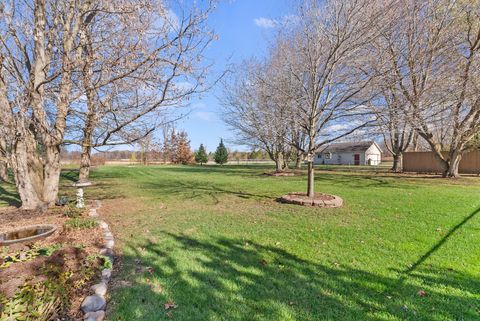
{"points": [[244, 28]]}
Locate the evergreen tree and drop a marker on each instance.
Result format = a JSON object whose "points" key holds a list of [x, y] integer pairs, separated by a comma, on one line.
{"points": [[221, 154], [201, 155], [183, 154]]}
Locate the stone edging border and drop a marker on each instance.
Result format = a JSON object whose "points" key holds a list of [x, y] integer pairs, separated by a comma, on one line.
{"points": [[295, 198], [93, 306]]}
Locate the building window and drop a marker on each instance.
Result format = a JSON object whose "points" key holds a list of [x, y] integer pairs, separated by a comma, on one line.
{"points": [[328, 155]]}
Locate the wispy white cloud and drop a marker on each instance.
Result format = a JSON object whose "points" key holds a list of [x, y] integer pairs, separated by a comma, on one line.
{"points": [[206, 116], [337, 127], [266, 23]]}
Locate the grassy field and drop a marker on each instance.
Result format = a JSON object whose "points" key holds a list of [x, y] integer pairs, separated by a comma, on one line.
{"points": [[213, 242]]}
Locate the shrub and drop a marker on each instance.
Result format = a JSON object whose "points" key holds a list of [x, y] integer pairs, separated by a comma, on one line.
{"points": [[72, 211], [81, 223]]}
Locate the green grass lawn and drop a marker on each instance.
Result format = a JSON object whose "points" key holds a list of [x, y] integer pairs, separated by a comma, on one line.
{"points": [[214, 241]]}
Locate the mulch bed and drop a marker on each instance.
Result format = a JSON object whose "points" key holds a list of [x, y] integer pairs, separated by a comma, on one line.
{"points": [[71, 252]]}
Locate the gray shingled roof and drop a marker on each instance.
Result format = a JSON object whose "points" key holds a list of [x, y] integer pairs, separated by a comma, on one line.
{"points": [[347, 147]]}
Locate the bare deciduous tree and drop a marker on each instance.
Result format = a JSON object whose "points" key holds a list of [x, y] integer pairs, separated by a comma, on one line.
{"points": [[256, 112], [117, 56], [392, 120], [433, 50], [38, 56], [149, 59], [325, 53]]}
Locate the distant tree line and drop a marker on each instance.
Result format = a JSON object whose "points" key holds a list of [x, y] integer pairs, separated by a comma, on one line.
{"points": [[161, 152]]}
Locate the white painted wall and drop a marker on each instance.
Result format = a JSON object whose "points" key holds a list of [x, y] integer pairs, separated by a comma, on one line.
{"points": [[373, 153], [340, 159]]}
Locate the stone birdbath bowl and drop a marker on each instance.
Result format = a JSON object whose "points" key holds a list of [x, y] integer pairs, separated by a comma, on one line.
{"points": [[27, 234]]}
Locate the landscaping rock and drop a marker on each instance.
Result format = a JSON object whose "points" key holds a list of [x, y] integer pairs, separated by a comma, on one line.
{"points": [[97, 204], [93, 303], [320, 203], [100, 288], [106, 275], [107, 253], [103, 225], [109, 244], [94, 316]]}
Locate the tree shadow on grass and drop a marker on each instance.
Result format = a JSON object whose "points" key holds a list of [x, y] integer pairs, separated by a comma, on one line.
{"points": [[353, 180], [413, 270], [190, 189], [8, 197], [442, 241], [232, 279], [228, 170], [69, 174]]}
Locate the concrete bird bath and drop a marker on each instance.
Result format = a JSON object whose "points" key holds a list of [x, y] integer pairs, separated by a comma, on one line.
{"points": [[26, 234], [80, 186]]}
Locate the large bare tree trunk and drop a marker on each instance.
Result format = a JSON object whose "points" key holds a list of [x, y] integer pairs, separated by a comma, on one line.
{"points": [[397, 163], [51, 178], [285, 162], [279, 163], [443, 164], [36, 179], [454, 164], [85, 161], [298, 160], [450, 163], [36, 176], [28, 174], [311, 180]]}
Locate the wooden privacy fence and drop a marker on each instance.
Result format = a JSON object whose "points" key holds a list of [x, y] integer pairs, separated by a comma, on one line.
{"points": [[425, 162]]}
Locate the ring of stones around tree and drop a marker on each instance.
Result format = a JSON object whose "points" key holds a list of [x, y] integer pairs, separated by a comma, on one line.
{"points": [[319, 200]]}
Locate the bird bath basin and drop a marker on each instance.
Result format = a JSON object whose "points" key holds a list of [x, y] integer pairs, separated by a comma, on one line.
{"points": [[26, 234], [80, 185]]}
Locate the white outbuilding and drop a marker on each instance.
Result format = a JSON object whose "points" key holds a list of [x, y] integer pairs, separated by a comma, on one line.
{"points": [[351, 153]]}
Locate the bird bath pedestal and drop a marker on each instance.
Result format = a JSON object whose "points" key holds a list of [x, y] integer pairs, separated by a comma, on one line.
{"points": [[80, 186]]}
